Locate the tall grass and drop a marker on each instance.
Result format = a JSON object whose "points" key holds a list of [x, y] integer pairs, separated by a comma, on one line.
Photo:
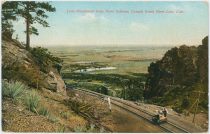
{"points": [[43, 111], [65, 115], [52, 118], [90, 129], [102, 130], [13, 89], [61, 129], [79, 129], [32, 101]]}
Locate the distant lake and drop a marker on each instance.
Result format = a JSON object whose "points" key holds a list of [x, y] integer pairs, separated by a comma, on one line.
{"points": [[94, 69]]}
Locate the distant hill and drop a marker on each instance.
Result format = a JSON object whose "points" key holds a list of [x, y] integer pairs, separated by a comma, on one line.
{"points": [[176, 79]]}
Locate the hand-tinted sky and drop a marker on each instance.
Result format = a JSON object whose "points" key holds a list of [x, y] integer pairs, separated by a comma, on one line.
{"points": [[68, 28]]}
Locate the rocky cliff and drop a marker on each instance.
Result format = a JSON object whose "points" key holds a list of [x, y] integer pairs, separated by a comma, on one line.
{"points": [[179, 76], [20, 64]]}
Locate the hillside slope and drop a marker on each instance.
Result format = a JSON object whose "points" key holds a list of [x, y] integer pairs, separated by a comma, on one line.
{"points": [[20, 64], [34, 97], [176, 79]]}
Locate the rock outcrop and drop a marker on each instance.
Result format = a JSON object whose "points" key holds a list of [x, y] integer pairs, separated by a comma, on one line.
{"points": [[19, 64], [178, 76], [55, 83]]}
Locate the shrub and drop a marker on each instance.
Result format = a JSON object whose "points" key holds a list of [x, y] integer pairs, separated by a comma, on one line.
{"points": [[13, 89], [30, 75], [79, 129], [61, 129], [185, 103], [178, 109], [90, 129], [204, 104], [32, 101], [5, 89], [74, 104], [43, 111], [52, 118], [44, 58], [102, 130], [65, 115]]}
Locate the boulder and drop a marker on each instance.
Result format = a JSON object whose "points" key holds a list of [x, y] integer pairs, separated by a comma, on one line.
{"points": [[55, 83]]}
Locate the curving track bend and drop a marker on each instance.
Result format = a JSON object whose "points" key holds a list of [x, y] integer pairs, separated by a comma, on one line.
{"points": [[167, 127]]}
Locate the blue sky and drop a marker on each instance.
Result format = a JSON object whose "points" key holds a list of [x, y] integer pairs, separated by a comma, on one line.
{"points": [[158, 29]]}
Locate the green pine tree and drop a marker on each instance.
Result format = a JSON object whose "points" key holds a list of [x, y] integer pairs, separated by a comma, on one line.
{"points": [[32, 11]]}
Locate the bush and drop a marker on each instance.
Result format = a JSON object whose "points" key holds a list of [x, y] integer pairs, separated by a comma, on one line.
{"points": [[185, 103], [13, 89], [30, 75], [61, 129], [52, 118], [65, 115], [178, 109], [43, 111], [204, 104], [90, 129], [102, 130], [80, 129], [75, 106], [32, 101], [45, 59]]}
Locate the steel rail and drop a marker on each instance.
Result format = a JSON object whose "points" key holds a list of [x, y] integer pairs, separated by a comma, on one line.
{"points": [[164, 126], [149, 113]]}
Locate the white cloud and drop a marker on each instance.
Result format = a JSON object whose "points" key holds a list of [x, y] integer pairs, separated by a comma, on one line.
{"points": [[136, 27], [175, 7], [92, 18], [180, 7], [88, 17]]}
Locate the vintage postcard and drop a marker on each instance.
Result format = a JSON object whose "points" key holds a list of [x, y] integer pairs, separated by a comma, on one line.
{"points": [[105, 66]]}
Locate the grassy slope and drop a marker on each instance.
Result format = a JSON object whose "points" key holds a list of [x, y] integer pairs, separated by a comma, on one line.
{"points": [[18, 118]]}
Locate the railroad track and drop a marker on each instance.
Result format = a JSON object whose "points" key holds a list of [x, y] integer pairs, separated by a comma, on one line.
{"points": [[167, 127]]}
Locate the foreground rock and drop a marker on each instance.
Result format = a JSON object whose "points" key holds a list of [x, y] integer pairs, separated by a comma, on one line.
{"points": [[20, 64]]}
